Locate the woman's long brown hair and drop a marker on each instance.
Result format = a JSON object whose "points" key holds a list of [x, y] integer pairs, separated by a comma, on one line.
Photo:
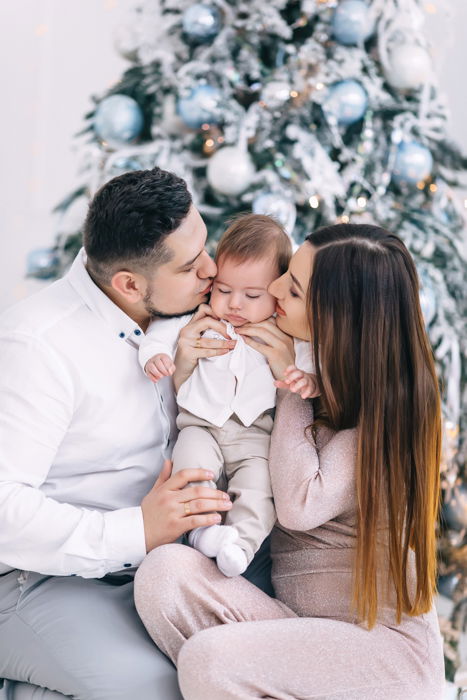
{"points": [[376, 373]]}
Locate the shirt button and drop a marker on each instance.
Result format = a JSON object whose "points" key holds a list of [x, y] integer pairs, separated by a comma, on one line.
{"points": [[126, 565], [137, 331], [121, 335]]}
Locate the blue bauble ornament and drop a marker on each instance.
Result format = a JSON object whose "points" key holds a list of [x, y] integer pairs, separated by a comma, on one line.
{"points": [[121, 165], [352, 22], [201, 23], [454, 511], [42, 263], [280, 207], [413, 163], [200, 106], [118, 120], [346, 102], [447, 584]]}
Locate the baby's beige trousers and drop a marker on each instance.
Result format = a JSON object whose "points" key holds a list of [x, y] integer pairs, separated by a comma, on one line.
{"points": [[238, 457]]}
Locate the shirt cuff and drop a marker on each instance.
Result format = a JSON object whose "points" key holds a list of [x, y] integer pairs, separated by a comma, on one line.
{"points": [[125, 543]]}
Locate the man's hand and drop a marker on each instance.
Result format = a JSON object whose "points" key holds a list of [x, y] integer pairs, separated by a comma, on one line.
{"points": [[299, 382], [191, 346], [170, 509], [159, 366], [276, 346]]}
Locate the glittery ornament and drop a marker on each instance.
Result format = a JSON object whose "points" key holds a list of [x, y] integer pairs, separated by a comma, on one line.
{"points": [[42, 263], [200, 106], [413, 163], [118, 120], [280, 207], [201, 23]]}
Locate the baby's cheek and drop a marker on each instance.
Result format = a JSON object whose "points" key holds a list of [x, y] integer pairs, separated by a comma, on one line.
{"points": [[265, 308], [217, 303]]}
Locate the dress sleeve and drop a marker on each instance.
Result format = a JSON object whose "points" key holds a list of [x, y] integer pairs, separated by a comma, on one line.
{"points": [[310, 486]]}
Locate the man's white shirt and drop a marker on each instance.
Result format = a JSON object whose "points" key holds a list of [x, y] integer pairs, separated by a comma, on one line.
{"points": [[83, 433]]}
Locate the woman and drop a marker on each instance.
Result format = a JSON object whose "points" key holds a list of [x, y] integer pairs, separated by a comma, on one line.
{"points": [[355, 477]]}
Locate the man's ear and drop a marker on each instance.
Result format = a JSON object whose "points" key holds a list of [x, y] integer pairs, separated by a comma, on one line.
{"points": [[131, 286]]}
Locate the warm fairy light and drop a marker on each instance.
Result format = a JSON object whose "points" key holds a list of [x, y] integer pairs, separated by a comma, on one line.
{"points": [[344, 219], [41, 29], [314, 202], [465, 203], [293, 93], [431, 8], [361, 201], [421, 185], [319, 86], [433, 187], [210, 142], [205, 127], [220, 139]]}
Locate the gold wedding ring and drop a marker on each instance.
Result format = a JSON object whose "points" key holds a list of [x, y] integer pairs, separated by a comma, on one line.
{"points": [[198, 343], [187, 508]]}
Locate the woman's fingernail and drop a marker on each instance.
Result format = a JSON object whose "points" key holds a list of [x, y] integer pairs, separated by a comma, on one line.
{"points": [[216, 518], [209, 475]]}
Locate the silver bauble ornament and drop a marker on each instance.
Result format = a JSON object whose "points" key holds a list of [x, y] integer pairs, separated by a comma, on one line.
{"points": [[118, 120], [201, 23], [278, 206], [42, 263], [413, 163], [230, 170]]}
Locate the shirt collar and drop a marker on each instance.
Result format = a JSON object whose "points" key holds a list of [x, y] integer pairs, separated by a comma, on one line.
{"points": [[119, 322]]}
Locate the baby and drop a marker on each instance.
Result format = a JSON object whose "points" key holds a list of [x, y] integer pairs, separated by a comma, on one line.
{"points": [[226, 405]]}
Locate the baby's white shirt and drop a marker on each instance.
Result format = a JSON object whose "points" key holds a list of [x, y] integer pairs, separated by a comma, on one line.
{"points": [[238, 382]]}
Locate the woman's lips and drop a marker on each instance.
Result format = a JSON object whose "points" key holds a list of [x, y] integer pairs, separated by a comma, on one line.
{"points": [[279, 310]]}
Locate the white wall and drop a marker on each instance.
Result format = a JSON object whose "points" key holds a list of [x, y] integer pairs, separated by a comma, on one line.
{"points": [[54, 54]]}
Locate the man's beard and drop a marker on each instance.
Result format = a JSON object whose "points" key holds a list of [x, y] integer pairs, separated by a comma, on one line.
{"points": [[155, 313]]}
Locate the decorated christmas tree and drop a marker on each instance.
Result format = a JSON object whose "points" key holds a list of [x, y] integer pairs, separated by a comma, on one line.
{"points": [[314, 111]]}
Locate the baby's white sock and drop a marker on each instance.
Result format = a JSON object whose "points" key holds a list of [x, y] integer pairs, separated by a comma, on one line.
{"points": [[209, 540], [231, 559]]}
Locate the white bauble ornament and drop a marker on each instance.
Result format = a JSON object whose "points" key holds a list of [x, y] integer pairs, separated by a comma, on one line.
{"points": [[409, 67], [230, 170]]}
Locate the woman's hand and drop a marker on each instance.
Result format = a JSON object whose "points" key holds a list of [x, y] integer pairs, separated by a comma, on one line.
{"points": [[276, 346], [191, 346]]}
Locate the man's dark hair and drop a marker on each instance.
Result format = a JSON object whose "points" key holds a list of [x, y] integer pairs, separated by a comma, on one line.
{"points": [[129, 219]]}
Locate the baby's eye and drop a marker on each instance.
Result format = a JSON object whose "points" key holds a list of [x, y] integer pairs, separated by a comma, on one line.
{"points": [[223, 291], [250, 296]]}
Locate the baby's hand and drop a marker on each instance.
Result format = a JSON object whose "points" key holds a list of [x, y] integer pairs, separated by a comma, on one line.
{"points": [[159, 366], [299, 382]]}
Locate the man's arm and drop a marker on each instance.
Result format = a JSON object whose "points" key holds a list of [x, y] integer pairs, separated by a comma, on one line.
{"points": [[38, 533]]}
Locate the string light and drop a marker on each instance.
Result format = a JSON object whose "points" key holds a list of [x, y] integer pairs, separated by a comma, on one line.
{"points": [[361, 201], [314, 202], [433, 187]]}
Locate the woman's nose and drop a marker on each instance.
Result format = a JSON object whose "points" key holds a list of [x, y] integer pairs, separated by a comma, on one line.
{"points": [[275, 287]]}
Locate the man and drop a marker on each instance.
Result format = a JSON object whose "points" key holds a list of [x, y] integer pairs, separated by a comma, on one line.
{"points": [[83, 436]]}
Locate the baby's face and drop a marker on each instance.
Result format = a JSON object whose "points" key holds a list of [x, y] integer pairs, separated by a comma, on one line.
{"points": [[240, 290]]}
